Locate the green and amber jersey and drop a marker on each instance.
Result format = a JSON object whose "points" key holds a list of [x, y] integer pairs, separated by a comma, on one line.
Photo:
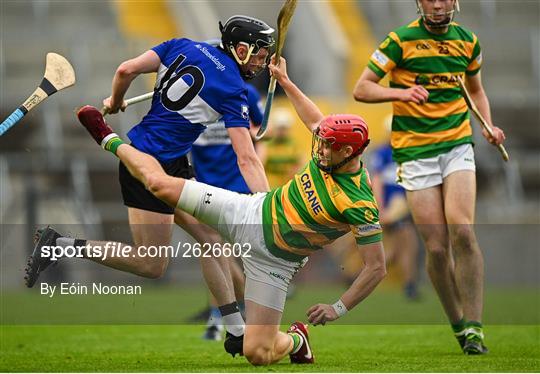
{"points": [[414, 56], [315, 208]]}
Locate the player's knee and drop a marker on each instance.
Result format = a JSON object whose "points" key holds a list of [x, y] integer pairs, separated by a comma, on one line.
{"points": [[154, 183], [155, 269], [158, 185], [462, 236], [437, 252], [258, 356]]}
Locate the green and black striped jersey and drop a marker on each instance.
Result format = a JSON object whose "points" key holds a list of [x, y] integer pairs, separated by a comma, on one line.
{"points": [[315, 208], [414, 56]]}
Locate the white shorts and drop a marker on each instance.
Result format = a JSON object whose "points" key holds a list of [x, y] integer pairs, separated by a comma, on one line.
{"points": [[429, 172], [238, 218]]}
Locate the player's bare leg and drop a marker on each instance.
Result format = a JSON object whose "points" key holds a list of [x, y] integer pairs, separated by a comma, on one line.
{"points": [[409, 258], [147, 228], [153, 176], [238, 278], [214, 324], [459, 189], [149, 172], [168, 189], [460, 193], [428, 213], [402, 245], [215, 270], [264, 344]]}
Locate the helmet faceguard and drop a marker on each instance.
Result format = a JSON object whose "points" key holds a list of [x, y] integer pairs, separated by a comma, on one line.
{"points": [[437, 25], [334, 132], [251, 32]]}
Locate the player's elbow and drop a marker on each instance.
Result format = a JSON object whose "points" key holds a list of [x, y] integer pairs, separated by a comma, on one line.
{"points": [[126, 69], [477, 92], [359, 92], [379, 272], [247, 160]]}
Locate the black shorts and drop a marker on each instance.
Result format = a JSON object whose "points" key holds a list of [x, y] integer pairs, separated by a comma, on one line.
{"points": [[135, 195]]}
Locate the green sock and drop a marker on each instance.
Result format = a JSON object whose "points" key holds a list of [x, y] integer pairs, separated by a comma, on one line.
{"points": [[473, 324], [459, 326], [113, 144], [297, 342]]}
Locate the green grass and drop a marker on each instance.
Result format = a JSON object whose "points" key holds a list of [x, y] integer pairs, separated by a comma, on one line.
{"points": [[337, 349], [148, 333], [171, 305]]}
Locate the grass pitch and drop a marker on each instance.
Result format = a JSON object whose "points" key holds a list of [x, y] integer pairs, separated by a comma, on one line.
{"points": [[337, 349], [385, 334]]}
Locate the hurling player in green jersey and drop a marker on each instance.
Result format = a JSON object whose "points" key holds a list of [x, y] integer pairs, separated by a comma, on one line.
{"points": [[432, 143], [274, 232]]}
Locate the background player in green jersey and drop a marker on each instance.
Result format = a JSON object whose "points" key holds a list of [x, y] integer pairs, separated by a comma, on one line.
{"points": [[432, 142], [330, 197]]}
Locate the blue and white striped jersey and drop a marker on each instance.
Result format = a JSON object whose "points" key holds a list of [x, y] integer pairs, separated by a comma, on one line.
{"points": [[197, 85], [213, 156]]}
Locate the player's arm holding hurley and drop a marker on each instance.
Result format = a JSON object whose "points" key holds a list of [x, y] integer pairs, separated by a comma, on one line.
{"points": [[308, 112], [479, 97], [148, 62]]}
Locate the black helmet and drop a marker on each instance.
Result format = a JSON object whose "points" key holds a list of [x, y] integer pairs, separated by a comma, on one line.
{"points": [[254, 33]]}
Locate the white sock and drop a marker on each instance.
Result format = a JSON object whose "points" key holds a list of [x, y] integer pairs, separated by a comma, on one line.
{"points": [[234, 324]]}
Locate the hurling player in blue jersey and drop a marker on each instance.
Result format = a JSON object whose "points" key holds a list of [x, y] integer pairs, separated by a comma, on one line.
{"points": [[197, 85], [215, 163], [212, 152]]}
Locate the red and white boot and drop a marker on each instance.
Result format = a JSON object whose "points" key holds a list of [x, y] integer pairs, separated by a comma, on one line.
{"points": [[304, 354], [92, 119]]}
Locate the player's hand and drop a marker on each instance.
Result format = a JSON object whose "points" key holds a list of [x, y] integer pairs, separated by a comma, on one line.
{"points": [[112, 107], [415, 94], [278, 71], [497, 138], [321, 313]]}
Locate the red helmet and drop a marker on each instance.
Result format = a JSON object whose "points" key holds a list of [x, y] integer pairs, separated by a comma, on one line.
{"points": [[339, 130], [344, 129]]}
